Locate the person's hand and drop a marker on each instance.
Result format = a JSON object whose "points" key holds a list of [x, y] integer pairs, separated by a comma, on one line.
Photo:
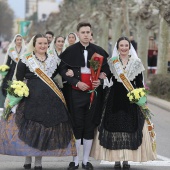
{"points": [[96, 83], [102, 75], [70, 73], [82, 86]]}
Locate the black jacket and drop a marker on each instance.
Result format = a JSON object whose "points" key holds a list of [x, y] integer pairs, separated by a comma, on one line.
{"points": [[73, 58]]}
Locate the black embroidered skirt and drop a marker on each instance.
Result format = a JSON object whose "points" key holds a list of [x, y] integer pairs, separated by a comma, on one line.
{"points": [[122, 122], [42, 118]]}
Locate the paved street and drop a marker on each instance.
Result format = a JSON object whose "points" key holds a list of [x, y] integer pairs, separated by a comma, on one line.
{"points": [[161, 110]]}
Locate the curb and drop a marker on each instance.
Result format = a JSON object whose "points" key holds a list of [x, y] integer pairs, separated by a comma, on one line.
{"points": [[163, 104]]}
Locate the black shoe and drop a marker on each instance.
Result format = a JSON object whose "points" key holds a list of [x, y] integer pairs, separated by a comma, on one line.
{"points": [[117, 166], [27, 166], [88, 166], [126, 166], [38, 168], [72, 166]]}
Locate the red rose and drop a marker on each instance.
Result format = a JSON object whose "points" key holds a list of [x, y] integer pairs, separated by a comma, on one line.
{"points": [[96, 59]]}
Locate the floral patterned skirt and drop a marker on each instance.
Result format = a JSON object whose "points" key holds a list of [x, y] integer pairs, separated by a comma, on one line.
{"points": [[10, 144]]}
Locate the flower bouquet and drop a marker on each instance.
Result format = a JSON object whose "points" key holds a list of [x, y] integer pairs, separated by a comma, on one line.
{"points": [[138, 96], [4, 70], [15, 92], [95, 68]]}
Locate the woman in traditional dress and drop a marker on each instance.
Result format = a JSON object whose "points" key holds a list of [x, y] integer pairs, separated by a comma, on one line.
{"points": [[40, 125], [70, 40], [123, 132], [15, 50], [59, 42]]}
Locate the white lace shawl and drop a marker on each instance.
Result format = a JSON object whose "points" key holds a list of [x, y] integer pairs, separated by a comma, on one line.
{"points": [[133, 68], [48, 67], [19, 54]]}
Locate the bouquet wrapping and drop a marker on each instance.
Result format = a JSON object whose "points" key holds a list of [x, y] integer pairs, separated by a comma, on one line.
{"points": [[95, 68], [15, 92]]}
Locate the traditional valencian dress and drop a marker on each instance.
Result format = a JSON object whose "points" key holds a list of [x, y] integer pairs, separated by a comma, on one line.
{"points": [[66, 43], [40, 125], [11, 59], [123, 132]]}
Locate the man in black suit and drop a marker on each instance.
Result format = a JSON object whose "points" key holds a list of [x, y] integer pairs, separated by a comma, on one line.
{"points": [[76, 58]]}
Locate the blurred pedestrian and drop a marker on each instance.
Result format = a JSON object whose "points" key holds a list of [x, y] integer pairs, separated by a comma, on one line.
{"points": [[49, 35], [92, 39]]}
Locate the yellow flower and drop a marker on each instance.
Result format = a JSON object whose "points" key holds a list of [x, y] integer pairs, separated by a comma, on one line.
{"points": [[26, 93], [16, 91], [137, 96], [20, 93], [131, 98], [128, 94], [136, 92], [4, 68], [13, 86], [19, 88], [142, 94], [21, 83], [26, 88]]}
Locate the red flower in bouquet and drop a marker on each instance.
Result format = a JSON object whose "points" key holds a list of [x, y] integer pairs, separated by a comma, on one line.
{"points": [[95, 67]]}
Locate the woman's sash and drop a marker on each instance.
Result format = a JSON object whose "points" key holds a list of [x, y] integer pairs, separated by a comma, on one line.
{"points": [[44, 77], [14, 54], [127, 84]]}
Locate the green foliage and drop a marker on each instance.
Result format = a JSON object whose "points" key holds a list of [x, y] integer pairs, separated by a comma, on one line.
{"points": [[94, 64], [160, 86], [10, 90]]}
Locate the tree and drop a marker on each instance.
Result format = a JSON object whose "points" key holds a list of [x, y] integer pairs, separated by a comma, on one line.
{"points": [[6, 20], [164, 11], [125, 18], [144, 14]]}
